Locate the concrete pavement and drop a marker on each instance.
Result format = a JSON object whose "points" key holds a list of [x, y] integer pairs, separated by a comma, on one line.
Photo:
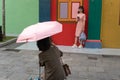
{"points": [[69, 49], [23, 64], [18, 65]]}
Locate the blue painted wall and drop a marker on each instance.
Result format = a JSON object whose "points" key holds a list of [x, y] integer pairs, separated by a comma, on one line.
{"points": [[44, 10]]}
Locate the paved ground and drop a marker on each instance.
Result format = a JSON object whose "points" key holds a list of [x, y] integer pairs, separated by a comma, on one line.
{"points": [[67, 49], [20, 65]]}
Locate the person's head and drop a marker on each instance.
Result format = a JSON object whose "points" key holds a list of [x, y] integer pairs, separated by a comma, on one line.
{"points": [[44, 44], [81, 9]]}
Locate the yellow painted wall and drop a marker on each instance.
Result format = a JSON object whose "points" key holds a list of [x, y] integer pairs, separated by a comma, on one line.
{"points": [[110, 28]]}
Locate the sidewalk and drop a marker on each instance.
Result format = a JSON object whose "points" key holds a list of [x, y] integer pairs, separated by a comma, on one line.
{"points": [[69, 49]]}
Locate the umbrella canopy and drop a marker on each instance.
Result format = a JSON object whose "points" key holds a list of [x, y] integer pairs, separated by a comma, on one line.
{"points": [[39, 31]]}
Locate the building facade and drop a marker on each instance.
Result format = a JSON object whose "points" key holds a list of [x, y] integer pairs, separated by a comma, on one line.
{"points": [[102, 19]]}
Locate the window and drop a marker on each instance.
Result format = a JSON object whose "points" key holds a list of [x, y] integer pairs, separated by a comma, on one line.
{"points": [[67, 9]]}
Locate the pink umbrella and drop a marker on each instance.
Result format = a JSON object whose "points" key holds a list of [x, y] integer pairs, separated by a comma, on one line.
{"points": [[39, 31]]}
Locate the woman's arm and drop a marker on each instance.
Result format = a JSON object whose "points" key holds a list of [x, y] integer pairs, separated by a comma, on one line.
{"points": [[77, 19]]}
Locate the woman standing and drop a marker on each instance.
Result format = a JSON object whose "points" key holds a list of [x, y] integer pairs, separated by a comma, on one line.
{"points": [[50, 59], [81, 17]]}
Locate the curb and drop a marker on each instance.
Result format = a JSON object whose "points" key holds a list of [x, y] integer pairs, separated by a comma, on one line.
{"points": [[7, 42]]}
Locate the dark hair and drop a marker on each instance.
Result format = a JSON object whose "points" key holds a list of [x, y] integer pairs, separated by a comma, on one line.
{"points": [[44, 44], [81, 7]]}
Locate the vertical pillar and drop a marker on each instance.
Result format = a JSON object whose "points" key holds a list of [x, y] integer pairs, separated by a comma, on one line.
{"points": [[3, 18], [1, 36]]}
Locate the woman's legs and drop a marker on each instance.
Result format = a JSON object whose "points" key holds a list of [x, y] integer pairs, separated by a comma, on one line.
{"points": [[81, 44], [80, 41], [76, 38], [75, 43]]}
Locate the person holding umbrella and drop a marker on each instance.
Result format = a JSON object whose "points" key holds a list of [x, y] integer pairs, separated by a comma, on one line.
{"points": [[49, 56], [50, 59]]}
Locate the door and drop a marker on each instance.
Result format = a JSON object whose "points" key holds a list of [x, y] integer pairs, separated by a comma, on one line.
{"points": [[110, 31]]}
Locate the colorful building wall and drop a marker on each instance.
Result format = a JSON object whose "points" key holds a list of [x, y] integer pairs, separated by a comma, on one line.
{"points": [[98, 30], [110, 26], [103, 19], [93, 23], [68, 34], [19, 14]]}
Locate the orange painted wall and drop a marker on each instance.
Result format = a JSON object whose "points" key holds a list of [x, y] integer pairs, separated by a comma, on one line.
{"points": [[68, 34]]}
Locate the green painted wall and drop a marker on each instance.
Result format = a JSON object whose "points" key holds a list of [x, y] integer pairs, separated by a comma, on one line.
{"points": [[19, 14], [94, 21]]}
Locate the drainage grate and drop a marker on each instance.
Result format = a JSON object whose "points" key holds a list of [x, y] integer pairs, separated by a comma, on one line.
{"points": [[93, 58], [13, 50], [108, 56]]}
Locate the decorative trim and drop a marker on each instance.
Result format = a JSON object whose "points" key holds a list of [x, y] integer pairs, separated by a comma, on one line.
{"points": [[93, 44]]}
